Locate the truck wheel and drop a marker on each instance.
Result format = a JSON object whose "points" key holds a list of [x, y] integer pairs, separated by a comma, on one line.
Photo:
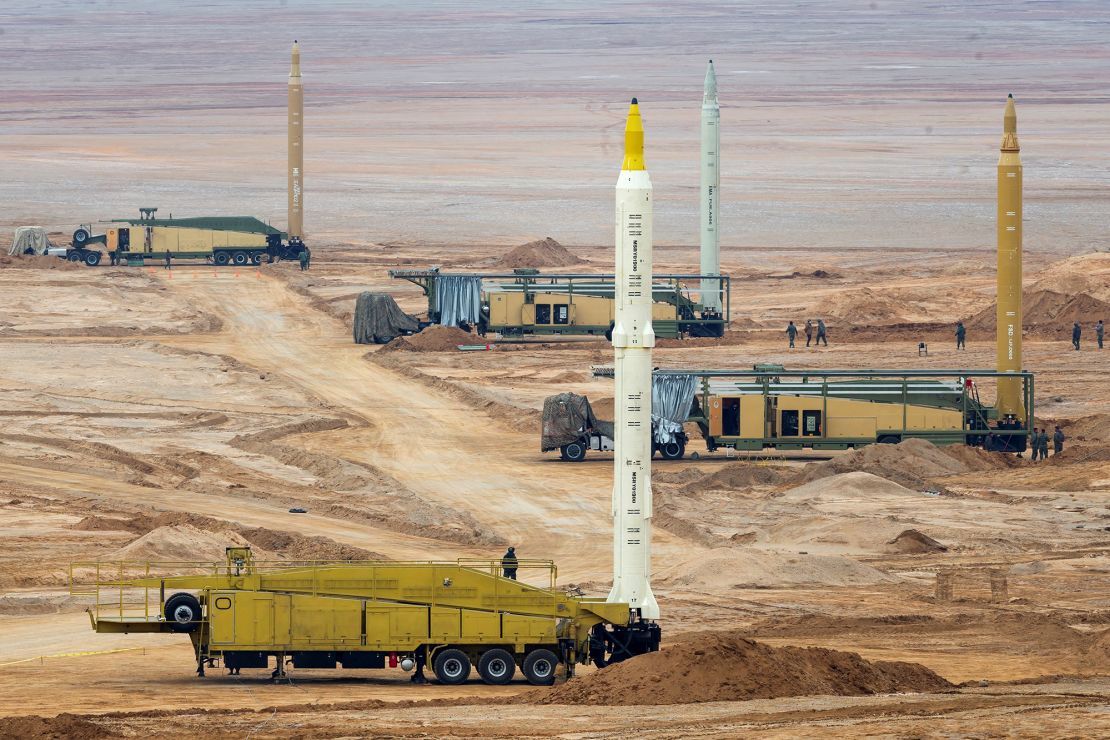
{"points": [[240, 258], [496, 666], [183, 612], [92, 259], [221, 258], [574, 452], [452, 667], [80, 236], [539, 667], [256, 259], [672, 451], [75, 257]]}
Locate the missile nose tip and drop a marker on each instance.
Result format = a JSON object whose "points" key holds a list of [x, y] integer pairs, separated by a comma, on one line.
{"points": [[635, 102], [1010, 96]]}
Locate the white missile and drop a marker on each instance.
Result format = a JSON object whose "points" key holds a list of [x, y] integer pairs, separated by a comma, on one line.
{"points": [[633, 339], [710, 190]]}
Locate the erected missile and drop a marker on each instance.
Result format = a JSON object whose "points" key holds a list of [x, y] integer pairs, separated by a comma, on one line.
{"points": [[710, 187], [1011, 405], [633, 339], [296, 150]]}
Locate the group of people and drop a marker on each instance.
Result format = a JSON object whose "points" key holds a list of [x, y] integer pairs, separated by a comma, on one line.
{"points": [[810, 330], [1038, 441], [1077, 334]]}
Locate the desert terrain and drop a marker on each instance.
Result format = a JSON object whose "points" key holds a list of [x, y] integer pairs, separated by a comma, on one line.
{"points": [[162, 415]]}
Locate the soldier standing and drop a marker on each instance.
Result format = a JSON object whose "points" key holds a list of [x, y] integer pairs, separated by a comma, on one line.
{"points": [[509, 564], [961, 334], [1057, 441], [1035, 443], [809, 331], [168, 265], [791, 332], [1044, 443], [821, 335], [1076, 332], [1099, 329]]}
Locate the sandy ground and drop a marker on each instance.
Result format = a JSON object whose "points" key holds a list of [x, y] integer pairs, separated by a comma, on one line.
{"points": [[257, 400]]}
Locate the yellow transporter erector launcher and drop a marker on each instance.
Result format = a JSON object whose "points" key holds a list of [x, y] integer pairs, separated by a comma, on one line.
{"points": [[450, 615]]}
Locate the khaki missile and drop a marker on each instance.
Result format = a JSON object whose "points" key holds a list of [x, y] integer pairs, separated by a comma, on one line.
{"points": [[1010, 398], [296, 149]]}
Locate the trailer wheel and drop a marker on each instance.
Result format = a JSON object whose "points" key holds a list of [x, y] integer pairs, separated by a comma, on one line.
{"points": [[80, 236], [539, 667], [889, 439], [221, 258], [256, 258], [75, 257], [92, 259], [573, 452], [496, 666], [183, 612], [240, 258], [452, 667], [672, 451]]}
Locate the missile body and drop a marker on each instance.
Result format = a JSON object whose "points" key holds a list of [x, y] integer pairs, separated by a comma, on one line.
{"points": [[633, 339], [296, 149], [1010, 398], [710, 187]]}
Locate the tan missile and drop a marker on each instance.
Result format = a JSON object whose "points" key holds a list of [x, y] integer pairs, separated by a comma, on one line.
{"points": [[296, 149], [1010, 398]]}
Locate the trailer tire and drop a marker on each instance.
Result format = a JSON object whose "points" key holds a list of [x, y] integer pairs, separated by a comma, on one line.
{"points": [[672, 450], [496, 666], [889, 439], [539, 667], [221, 258], [80, 236], [75, 257], [256, 259], [573, 452], [183, 612], [240, 258], [92, 259], [452, 667]]}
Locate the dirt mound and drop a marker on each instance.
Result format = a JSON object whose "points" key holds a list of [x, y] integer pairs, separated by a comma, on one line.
{"points": [[911, 463], [1048, 314], [739, 476], [62, 727], [182, 542], [1080, 454], [1084, 273], [1095, 428], [37, 262], [912, 542], [724, 666], [433, 339], [864, 306], [544, 252], [725, 568]]}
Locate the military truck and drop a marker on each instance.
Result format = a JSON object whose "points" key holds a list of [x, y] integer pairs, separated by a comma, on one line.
{"points": [[450, 616], [221, 240]]}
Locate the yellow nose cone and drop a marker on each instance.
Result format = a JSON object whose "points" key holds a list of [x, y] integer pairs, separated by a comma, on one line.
{"points": [[1009, 127], [634, 140]]}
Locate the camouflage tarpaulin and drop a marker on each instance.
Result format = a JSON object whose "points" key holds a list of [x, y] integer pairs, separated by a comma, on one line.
{"points": [[378, 319], [566, 417], [30, 240]]}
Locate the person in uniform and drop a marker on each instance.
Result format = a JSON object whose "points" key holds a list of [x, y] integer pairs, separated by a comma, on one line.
{"points": [[791, 332], [509, 564], [809, 331], [1057, 441], [1076, 333], [961, 335], [822, 336]]}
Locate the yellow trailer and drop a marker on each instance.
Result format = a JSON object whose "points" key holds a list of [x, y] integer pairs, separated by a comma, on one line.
{"points": [[370, 614]]}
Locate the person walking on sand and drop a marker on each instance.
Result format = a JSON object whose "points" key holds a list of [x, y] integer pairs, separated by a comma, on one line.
{"points": [[168, 265], [303, 258], [809, 331], [791, 332], [1076, 333], [1057, 441], [822, 336], [961, 335], [509, 564], [1099, 329]]}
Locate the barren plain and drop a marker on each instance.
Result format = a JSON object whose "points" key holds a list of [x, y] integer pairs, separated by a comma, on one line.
{"points": [[153, 414]]}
